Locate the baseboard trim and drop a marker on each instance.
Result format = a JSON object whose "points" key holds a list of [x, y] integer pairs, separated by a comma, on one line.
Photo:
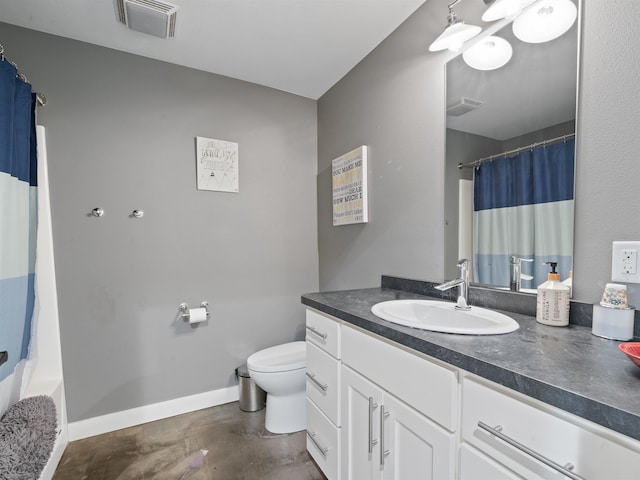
{"points": [[149, 413]]}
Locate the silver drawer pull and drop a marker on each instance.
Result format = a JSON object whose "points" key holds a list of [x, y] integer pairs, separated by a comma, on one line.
{"points": [[372, 442], [383, 452], [320, 334], [312, 377], [312, 437], [497, 431]]}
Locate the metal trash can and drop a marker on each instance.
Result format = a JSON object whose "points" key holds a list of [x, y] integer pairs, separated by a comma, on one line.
{"points": [[252, 397]]}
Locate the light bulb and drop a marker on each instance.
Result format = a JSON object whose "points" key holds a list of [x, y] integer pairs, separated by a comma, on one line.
{"points": [[545, 21], [489, 54]]}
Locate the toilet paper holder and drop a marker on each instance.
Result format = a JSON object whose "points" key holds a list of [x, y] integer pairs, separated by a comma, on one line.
{"points": [[184, 308]]}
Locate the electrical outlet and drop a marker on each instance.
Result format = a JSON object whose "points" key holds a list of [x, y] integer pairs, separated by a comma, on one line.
{"points": [[624, 262], [629, 261]]}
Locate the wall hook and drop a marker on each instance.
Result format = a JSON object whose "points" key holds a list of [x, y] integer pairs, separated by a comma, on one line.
{"points": [[97, 212], [138, 213]]}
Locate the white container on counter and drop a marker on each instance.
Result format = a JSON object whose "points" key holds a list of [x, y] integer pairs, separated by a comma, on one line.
{"points": [[613, 323]]}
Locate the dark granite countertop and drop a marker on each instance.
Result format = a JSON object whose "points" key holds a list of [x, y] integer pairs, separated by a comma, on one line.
{"points": [[566, 367]]}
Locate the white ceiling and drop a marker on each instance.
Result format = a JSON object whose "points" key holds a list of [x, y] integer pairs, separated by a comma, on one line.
{"points": [[298, 46]]}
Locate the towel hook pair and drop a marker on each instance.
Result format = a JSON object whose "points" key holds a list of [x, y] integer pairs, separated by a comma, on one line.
{"points": [[99, 212]]}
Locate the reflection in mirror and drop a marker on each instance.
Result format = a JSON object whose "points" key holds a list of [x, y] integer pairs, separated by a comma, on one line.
{"points": [[510, 163]]}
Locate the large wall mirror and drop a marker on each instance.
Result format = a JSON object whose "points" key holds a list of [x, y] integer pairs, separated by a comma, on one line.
{"points": [[510, 144]]}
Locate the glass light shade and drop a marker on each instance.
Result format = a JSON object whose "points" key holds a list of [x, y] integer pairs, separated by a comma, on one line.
{"points": [[505, 9], [489, 54], [544, 21], [454, 37]]}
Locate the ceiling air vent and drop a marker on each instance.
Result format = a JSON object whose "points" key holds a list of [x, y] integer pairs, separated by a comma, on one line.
{"points": [[462, 106], [148, 16]]}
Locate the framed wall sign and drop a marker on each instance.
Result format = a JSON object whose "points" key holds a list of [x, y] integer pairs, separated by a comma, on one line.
{"points": [[349, 179], [217, 165]]}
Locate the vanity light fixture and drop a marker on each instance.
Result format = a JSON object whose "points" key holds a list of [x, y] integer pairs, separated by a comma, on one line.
{"points": [[509, 9], [490, 53], [456, 33], [544, 21]]}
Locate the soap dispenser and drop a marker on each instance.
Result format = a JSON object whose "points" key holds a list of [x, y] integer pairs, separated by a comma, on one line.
{"points": [[553, 300]]}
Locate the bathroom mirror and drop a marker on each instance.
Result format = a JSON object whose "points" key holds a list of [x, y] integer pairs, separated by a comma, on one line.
{"points": [[492, 115]]}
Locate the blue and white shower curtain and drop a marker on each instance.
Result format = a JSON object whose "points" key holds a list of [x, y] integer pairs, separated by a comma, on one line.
{"points": [[18, 215], [523, 207]]}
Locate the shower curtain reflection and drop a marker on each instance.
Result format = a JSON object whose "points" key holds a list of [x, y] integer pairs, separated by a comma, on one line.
{"points": [[523, 207]]}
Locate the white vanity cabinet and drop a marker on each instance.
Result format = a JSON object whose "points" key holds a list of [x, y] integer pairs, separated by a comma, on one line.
{"points": [[379, 410], [405, 435], [528, 434], [323, 392]]}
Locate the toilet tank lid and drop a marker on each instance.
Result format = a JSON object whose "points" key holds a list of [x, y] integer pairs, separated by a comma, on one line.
{"points": [[288, 356]]}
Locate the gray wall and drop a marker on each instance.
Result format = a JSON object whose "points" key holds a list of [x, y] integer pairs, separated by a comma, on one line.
{"points": [[555, 131], [607, 170], [394, 102], [121, 135]]}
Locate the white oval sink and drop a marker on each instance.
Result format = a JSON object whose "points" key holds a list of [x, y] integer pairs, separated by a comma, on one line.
{"points": [[444, 317]]}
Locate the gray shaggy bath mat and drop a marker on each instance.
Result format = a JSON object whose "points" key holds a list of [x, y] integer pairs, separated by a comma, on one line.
{"points": [[27, 435]]}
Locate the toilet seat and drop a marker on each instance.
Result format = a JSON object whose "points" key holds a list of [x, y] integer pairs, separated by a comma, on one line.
{"points": [[281, 358]]}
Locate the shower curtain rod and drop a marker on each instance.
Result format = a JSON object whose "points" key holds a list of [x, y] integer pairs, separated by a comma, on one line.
{"points": [[40, 98], [516, 150]]}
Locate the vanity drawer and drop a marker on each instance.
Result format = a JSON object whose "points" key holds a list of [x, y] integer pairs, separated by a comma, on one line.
{"points": [[474, 465], [554, 434], [428, 387], [323, 441], [324, 332], [323, 382]]}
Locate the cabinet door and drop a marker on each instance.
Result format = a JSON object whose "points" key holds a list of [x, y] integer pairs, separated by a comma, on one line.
{"points": [[414, 447], [361, 402]]}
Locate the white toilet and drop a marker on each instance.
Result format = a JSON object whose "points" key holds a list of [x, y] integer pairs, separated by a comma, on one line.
{"points": [[280, 371]]}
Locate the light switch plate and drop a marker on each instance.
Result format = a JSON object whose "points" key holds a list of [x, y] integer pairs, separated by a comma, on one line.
{"points": [[624, 262]]}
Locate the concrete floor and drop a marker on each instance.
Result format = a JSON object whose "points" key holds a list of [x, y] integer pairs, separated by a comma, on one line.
{"points": [[216, 443]]}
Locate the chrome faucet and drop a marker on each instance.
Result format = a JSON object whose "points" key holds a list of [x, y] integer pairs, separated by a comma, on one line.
{"points": [[462, 282], [515, 272]]}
